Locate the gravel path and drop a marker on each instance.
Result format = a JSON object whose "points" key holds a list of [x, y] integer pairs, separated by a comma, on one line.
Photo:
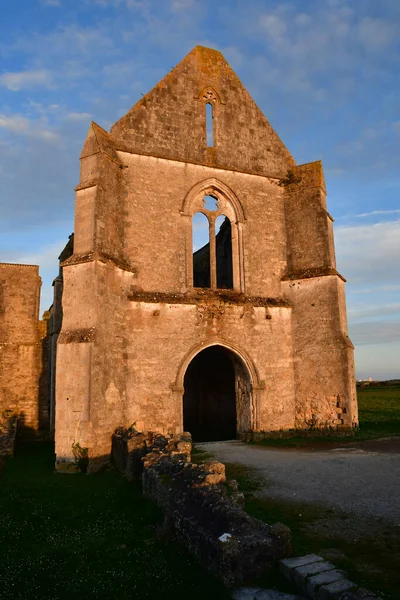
{"points": [[353, 479]]}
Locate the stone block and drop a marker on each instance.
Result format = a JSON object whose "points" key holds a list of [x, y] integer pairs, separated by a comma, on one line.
{"points": [[360, 594], [315, 582], [245, 593], [276, 595], [287, 565], [260, 594], [335, 590], [301, 574]]}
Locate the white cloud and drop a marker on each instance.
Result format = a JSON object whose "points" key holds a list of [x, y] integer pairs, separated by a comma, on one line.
{"points": [[274, 26], [375, 332], [365, 312], [377, 289], [56, 3], [78, 116], [378, 361], [369, 253], [26, 79], [372, 213], [22, 126], [376, 33], [182, 5], [379, 212]]}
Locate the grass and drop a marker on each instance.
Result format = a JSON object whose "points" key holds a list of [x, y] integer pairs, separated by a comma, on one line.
{"points": [[367, 549], [66, 536], [379, 415], [379, 412]]}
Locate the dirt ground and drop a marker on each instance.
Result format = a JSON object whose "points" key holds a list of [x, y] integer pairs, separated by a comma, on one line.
{"points": [[361, 478]]}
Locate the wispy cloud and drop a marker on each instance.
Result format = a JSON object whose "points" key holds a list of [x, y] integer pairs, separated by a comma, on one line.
{"points": [[78, 116], [369, 253], [55, 3], [372, 213], [20, 125], [378, 289], [325, 75], [366, 312], [376, 332], [26, 79], [182, 5]]}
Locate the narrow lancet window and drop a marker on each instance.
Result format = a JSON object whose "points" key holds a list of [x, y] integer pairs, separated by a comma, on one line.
{"points": [[209, 125], [223, 249], [201, 251]]}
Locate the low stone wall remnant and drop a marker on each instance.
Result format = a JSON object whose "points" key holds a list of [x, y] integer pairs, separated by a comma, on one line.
{"points": [[201, 508], [129, 447]]}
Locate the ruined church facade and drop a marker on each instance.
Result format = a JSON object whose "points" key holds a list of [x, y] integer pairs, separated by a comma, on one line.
{"points": [[247, 334]]}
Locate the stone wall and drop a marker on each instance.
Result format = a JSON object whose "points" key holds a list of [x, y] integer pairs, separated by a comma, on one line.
{"points": [[8, 431], [201, 509], [21, 345], [324, 365]]}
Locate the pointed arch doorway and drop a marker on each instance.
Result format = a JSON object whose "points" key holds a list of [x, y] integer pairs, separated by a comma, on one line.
{"points": [[217, 395]]}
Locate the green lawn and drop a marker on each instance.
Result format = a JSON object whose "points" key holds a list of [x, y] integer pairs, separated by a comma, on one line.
{"points": [[379, 412], [90, 537], [379, 416], [65, 536]]}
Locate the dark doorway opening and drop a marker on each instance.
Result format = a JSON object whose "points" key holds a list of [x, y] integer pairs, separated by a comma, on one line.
{"points": [[209, 401]]}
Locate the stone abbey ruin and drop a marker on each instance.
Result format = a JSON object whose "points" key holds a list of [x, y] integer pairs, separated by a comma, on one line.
{"points": [[245, 336]]}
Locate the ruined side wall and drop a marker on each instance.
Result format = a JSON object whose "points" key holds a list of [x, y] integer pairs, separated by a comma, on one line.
{"points": [[309, 225], [90, 344], [155, 226], [91, 375], [324, 355], [20, 342]]}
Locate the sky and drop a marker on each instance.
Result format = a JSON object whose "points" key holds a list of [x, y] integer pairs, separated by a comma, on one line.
{"points": [[324, 72]]}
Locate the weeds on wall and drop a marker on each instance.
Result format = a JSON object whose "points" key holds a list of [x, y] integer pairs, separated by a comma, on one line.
{"points": [[290, 178], [81, 456]]}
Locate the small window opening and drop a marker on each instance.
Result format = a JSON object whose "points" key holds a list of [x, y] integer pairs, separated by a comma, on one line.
{"points": [[223, 247], [210, 203], [209, 125], [201, 251]]}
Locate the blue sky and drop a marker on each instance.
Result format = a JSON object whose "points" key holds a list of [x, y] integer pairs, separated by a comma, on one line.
{"points": [[324, 72]]}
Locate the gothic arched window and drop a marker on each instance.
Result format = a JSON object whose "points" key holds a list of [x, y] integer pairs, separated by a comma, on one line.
{"points": [[214, 242]]}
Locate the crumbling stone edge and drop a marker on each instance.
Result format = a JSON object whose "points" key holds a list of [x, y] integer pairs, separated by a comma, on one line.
{"points": [[201, 508], [205, 512]]}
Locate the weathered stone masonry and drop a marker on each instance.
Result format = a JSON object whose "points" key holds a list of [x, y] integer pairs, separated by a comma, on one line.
{"points": [[132, 320], [22, 388], [201, 509]]}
